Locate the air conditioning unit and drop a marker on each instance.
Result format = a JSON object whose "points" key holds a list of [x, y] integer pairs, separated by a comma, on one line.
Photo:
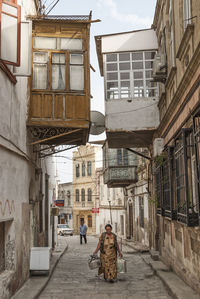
{"points": [[158, 145], [40, 259], [160, 67]]}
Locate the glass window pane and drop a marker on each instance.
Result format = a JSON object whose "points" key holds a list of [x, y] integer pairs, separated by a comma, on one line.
{"points": [[40, 57], [41, 42], [113, 95], [151, 92], [138, 75], [58, 77], [124, 66], [148, 64], [137, 65], [76, 59], [112, 67], [125, 83], [76, 77], [71, 44], [111, 85], [124, 76], [150, 84], [148, 74], [58, 58], [111, 57], [138, 83], [149, 55], [9, 9], [40, 76], [112, 76], [124, 56], [137, 56], [137, 92]]}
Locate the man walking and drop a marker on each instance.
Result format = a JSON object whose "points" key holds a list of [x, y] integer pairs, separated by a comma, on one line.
{"points": [[83, 231]]}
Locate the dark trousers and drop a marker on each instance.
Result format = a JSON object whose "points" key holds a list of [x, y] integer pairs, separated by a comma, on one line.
{"points": [[83, 236]]}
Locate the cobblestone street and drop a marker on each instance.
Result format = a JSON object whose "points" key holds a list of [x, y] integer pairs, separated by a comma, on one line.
{"points": [[72, 277]]}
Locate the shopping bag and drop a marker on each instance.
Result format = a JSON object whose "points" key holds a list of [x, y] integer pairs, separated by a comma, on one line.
{"points": [[121, 265], [94, 262]]}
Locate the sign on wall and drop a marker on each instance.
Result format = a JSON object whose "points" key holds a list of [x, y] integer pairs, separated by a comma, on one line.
{"points": [[60, 203]]}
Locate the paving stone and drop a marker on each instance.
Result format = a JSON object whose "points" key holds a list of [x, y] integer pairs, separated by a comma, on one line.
{"points": [[73, 279]]}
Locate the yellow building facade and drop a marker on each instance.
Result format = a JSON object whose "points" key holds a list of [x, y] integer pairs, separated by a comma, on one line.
{"points": [[85, 162]]}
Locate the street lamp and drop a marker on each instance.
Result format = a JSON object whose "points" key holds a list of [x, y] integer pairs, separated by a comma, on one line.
{"points": [[109, 201]]}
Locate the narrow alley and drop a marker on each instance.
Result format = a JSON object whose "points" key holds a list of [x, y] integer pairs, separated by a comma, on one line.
{"points": [[72, 277]]}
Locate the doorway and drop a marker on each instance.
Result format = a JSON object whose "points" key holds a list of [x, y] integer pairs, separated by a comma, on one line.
{"points": [[130, 220]]}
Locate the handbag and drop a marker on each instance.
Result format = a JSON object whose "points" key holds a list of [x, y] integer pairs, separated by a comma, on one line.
{"points": [[121, 265], [94, 262]]}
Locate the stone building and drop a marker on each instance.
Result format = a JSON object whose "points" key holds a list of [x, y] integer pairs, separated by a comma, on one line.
{"points": [[85, 162], [40, 114], [65, 203], [27, 182], [110, 203], [176, 169], [138, 203]]}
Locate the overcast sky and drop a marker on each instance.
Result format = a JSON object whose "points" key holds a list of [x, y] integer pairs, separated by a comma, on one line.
{"points": [[116, 16]]}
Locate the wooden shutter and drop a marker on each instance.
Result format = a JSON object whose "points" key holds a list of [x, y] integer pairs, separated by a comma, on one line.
{"points": [[10, 31]]}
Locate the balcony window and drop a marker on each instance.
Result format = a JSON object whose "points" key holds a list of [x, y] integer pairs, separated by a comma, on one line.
{"points": [[89, 194], [58, 71], [82, 194], [61, 65], [76, 72], [127, 74], [77, 195], [40, 70]]}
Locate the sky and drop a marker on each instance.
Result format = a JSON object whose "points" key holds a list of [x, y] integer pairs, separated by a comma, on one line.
{"points": [[116, 16]]}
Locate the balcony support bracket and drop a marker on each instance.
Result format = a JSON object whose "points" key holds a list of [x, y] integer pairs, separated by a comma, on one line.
{"points": [[139, 154]]}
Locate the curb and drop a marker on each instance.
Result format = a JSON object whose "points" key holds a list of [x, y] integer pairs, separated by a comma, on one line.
{"points": [[51, 273], [24, 290], [175, 286]]}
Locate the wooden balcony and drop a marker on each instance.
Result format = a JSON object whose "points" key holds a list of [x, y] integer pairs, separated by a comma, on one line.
{"points": [[59, 108]]}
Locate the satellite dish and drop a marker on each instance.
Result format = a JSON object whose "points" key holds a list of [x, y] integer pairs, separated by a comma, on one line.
{"points": [[97, 123]]}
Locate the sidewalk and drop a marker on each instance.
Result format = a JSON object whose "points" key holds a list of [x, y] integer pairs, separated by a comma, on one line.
{"points": [[36, 284], [176, 287]]}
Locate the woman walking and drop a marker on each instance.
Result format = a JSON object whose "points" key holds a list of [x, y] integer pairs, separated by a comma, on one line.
{"points": [[108, 247]]}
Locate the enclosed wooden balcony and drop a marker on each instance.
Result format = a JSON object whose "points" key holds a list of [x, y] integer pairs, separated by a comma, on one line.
{"points": [[119, 167], [131, 96], [59, 109]]}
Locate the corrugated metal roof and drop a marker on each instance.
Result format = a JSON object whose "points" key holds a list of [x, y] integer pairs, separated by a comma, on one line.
{"points": [[75, 18]]}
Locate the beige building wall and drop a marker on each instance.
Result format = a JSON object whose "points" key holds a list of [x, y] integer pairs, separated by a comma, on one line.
{"points": [[179, 104], [91, 157]]}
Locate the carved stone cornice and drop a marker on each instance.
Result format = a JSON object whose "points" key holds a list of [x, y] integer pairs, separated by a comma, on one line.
{"points": [[190, 71], [185, 40], [162, 100], [171, 76]]}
